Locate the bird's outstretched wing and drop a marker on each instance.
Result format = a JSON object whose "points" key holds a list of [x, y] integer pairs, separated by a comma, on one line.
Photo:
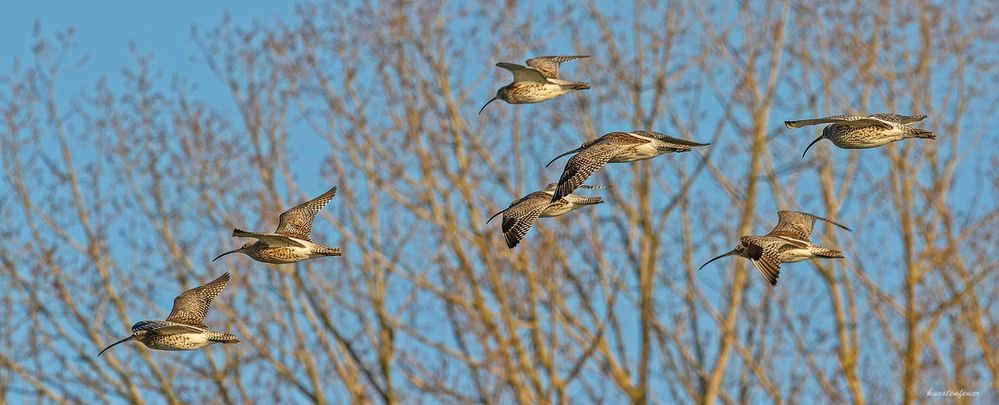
{"points": [[764, 252], [674, 144], [523, 73], [521, 215], [901, 119], [191, 307], [590, 159], [165, 327], [297, 222], [847, 120], [549, 65], [270, 239], [798, 225]]}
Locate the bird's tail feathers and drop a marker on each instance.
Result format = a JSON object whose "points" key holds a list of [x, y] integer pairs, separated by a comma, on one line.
{"points": [[328, 251], [827, 253], [921, 133], [221, 337], [586, 200]]}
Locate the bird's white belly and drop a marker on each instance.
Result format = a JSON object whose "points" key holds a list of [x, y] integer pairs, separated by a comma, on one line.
{"points": [[636, 153], [302, 251], [555, 210], [542, 93], [535, 93], [180, 341], [199, 339], [795, 255], [875, 142]]}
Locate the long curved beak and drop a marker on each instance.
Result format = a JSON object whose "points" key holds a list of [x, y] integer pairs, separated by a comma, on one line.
{"points": [[494, 215], [730, 253], [813, 143], [231, 251], [487, 103], [115, 344], [560, 156]]}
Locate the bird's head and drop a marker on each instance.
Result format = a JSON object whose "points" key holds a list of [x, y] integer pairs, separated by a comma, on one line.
{"points": [[501, 94], [740, 250], [245, 249]]}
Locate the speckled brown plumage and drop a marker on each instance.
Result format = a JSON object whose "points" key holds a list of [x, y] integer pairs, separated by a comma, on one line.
{"points": [[549, 65], [297, 222], [192, 305]]}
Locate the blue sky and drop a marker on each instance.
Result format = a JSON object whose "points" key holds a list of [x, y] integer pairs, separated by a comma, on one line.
{"points": [[105, 28], [105, 31]]}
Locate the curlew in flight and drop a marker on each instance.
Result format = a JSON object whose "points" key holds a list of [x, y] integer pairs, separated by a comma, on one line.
{"points": [[615, 147], [290, 243], [521, 214], [536, 82], [788, 242], [856, 132], [184, 329]]}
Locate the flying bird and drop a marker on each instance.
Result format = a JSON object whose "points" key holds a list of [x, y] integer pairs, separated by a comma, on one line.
{"points": [[290, 243], [536, 82], [788, 242], [614, 147], [857, 132], [184, 329], [521, 214]]}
